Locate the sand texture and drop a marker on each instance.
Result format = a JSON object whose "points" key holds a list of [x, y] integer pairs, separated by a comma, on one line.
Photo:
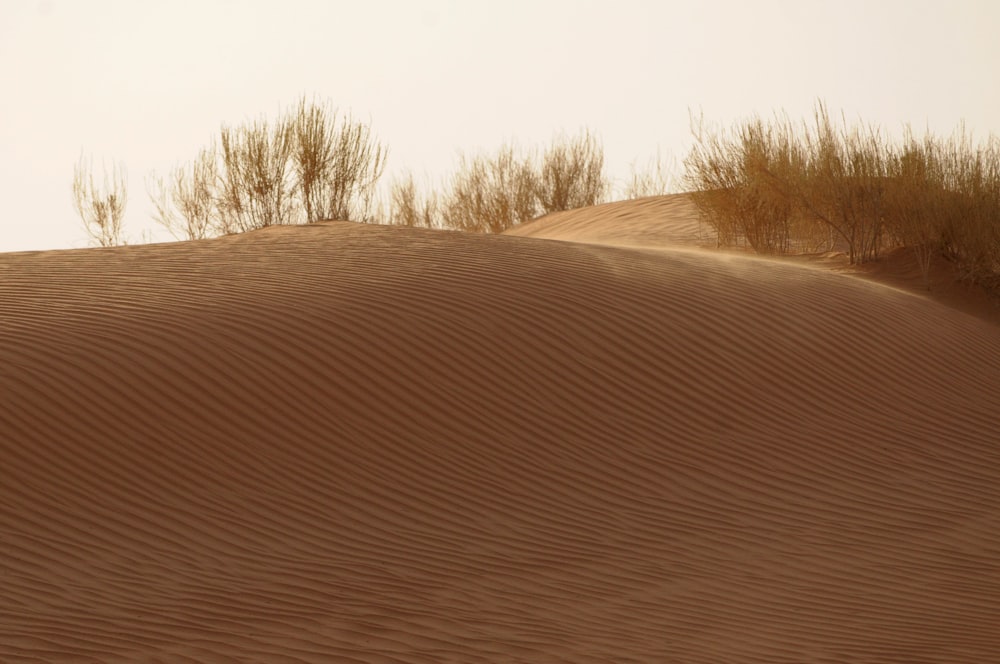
{"points": [[346, 443], [657, 221]]}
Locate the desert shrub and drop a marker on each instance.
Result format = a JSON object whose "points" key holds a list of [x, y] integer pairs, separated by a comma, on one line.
{"points": [[408, 207], [255, 185], [337, 165], [943, 198], [971, 214], [843, 182], [491, 193], [714, 177], [186, 202], [654, 179], [307, 164], [739, 181], [775, 188], [916, 201], [571, 173], [101, 207]]}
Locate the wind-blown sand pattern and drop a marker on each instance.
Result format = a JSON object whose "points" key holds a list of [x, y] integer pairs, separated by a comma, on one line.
{"points": [[369, 444], [656, 221]]}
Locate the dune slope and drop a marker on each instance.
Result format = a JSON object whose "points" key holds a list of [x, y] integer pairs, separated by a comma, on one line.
{"points": [[647, 222], [369, 444]]}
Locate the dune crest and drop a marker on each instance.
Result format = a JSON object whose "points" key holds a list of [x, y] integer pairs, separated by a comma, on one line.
{"points": [[358, 443], [655, 221]]}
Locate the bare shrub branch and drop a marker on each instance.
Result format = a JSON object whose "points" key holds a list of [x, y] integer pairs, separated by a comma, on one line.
{"points": [[409, 208], [102, 208], [971, 224], [738, 182], [655, 179], [763, 179], [915, 192], [255, 184], [186, 203], [491, 194], [572, 173], [337, 166], [843, 182]]}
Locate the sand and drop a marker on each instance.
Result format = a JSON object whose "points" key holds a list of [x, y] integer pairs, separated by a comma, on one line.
{"points": [[371, 444], [657, 221]]}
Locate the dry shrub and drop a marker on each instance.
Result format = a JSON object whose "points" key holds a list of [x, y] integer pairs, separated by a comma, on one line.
{"points": [[307, 164], [944, 198], [916, 199], [185, 204], [738, 180], [407, 207], [491, 193], [777, 188], [255, 185], [572, 173], [655, 179], [843, 182], [714, 177], [102, 208], [971, 221], [337, 166]]}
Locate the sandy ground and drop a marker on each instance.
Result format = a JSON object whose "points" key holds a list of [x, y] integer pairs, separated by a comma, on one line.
{"points": [[370, 444]]}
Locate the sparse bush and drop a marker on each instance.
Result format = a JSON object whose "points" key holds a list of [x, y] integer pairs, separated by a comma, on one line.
{"points": [[256, 190], [409, 208], [337, 166], [491, 194], [264, 173], [654, 180], [773, 187], [102, 208], [944, 198], [572, 173], [971, 225], [843, 183], [738, 183], [916, 199], [186, 203]]}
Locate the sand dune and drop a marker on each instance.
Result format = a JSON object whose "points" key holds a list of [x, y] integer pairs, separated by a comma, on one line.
{"points": [[370, 444], [648, 222]]}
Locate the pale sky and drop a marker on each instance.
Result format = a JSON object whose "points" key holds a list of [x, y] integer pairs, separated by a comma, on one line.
{"points": [[148, 83]]}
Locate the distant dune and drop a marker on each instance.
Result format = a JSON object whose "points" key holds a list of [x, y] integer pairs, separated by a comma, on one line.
{"points": [[371, 444], [648, 222]]}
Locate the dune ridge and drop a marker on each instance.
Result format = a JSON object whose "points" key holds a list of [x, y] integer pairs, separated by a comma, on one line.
{"points": [[382, 444], [655, 221]]}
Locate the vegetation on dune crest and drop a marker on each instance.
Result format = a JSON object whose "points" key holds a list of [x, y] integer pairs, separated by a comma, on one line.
{"points": [[185, 203], [100, 206], [656, 179], [255, 190], [775, 186], [309, 165], [337, 164], [571, 174], [778, 187], [492, 192], [409, 207]]}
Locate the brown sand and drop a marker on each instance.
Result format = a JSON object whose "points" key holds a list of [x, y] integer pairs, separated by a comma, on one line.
{"points": [[370, 444], [657, 221]]}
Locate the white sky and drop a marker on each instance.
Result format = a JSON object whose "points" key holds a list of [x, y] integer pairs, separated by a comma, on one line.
{"points": [[149, 83]]}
